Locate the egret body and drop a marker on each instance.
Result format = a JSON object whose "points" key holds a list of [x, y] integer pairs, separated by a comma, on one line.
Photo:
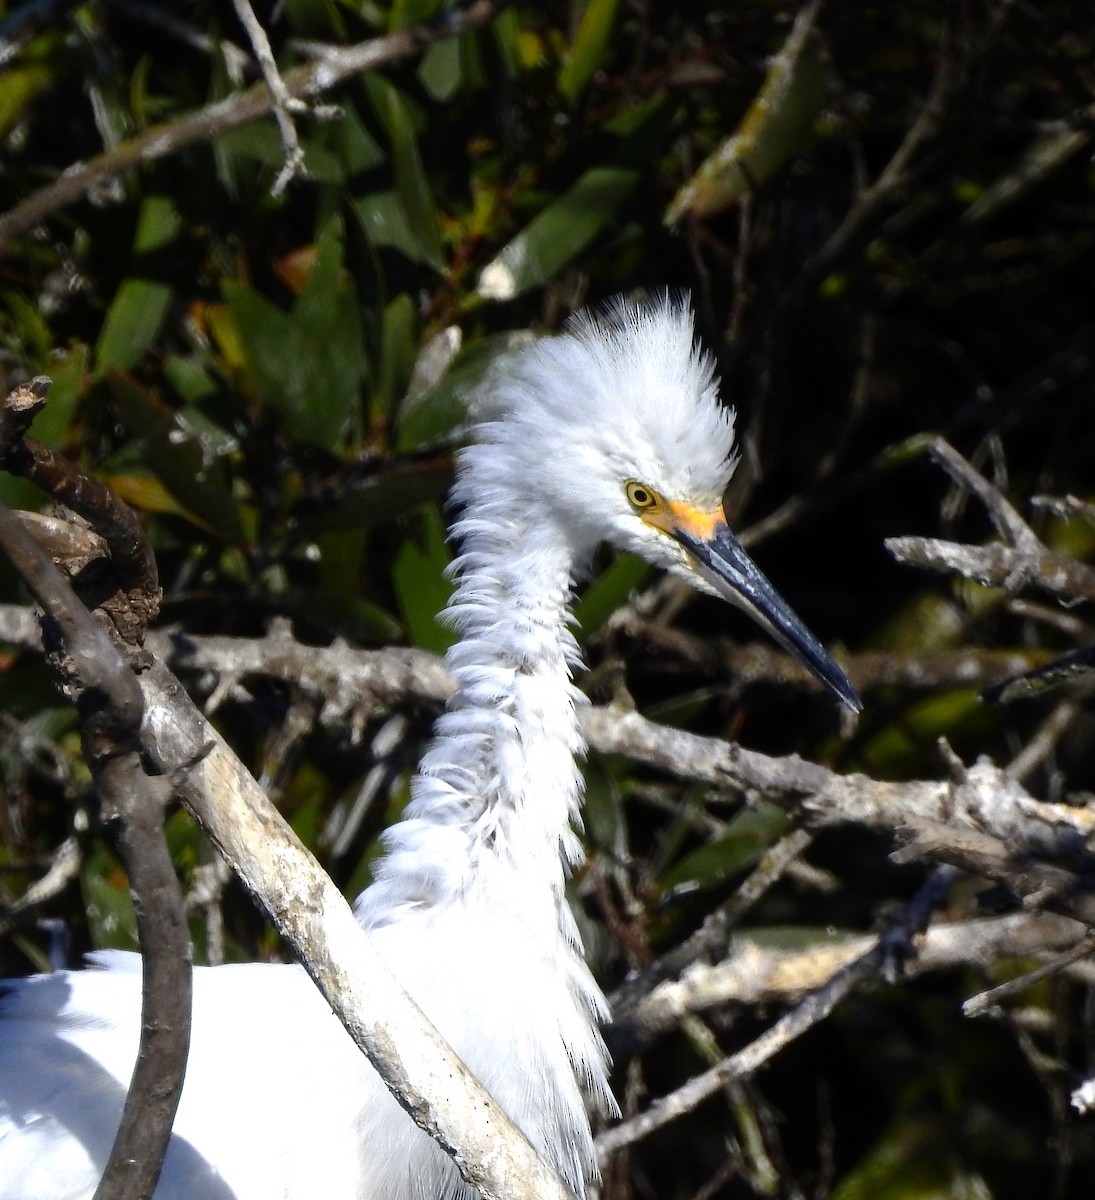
{"points": [[612, 431]]}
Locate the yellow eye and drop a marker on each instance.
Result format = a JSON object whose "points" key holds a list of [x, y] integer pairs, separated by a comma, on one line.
{"points": [[640, 496]]}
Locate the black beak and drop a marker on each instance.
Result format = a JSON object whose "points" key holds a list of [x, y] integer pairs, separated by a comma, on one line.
{"points": [[724, 564]]}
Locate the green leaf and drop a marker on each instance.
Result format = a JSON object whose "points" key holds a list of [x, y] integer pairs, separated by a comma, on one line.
{"points": [[190, 380], [411, 185], [587, 50], [747, 837], [406, 13], [774, 128], [386, 224], [603, 811], [190, 467], [507, 32], [439, 416], [338, 612], [158, 224], [131, 324], [440, 71], [307, 365], [350, 142], [378, 497], [20, 85], [398, 345], [608, 591], [421, 586], [558, 234], [68, 373], [30, 327]]}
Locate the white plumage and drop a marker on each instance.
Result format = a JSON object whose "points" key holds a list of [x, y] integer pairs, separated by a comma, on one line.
{"points": [[614, 431]]}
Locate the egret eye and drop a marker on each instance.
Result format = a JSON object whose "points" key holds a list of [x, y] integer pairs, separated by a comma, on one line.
{"points": [[640, 496]]}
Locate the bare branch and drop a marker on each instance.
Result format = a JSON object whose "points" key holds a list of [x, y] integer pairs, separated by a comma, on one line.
{"points": [[893, 176], [758, 973], [1024, 562], [813, 1009], [1039, 885], [987, 799], [131, 557], [356, 682], [1004, 516], [1044, 741], [984, 1002], [712, 934], [760, 662], [285, 105], [136, 1157], [1066, 507], [64, 867], [999, 566]]}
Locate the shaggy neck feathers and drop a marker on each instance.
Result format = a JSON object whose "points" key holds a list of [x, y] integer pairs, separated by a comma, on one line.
{"points": [[498, 791]]}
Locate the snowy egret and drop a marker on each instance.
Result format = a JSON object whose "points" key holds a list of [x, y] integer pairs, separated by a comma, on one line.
{"points": [[613, 430]]}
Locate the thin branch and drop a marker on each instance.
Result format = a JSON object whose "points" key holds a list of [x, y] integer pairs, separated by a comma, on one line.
{"points": [[356, 683], [1025, 561], [1049, 150], [1066, 507], [760, 662], [809, 1012], [64, 867], [1044, 741], [893, 176], [241, 108], [131, 557], [977, 1006], [1004, 516], [1038, 885], [285, 106], [712, 935], [136, 1157], [237, 62], [986, 799]]}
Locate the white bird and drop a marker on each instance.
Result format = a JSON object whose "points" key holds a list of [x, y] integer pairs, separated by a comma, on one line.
{"points": [[611, 431]]}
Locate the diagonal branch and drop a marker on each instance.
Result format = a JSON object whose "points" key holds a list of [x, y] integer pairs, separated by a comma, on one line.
{"points": [[896, 943]]}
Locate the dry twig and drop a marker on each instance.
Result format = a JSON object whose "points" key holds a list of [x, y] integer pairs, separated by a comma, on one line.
{"points": [[879, 957], [285, 106], [1023, 562], [984, 1002]]}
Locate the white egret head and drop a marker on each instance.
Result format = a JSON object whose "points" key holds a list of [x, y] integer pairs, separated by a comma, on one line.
{"points": [[617, 428]]}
